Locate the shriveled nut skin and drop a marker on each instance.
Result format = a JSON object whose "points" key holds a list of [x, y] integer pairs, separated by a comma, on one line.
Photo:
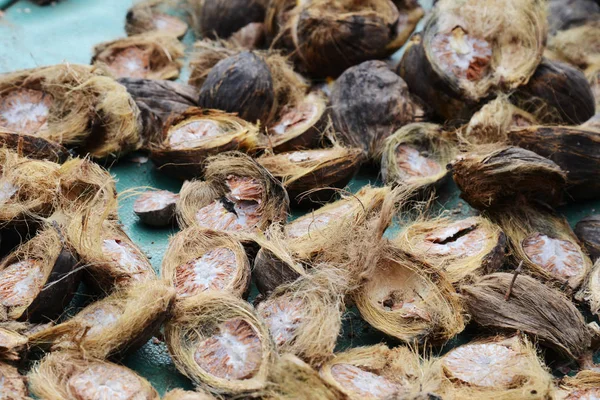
{"points": [[588, 231]]}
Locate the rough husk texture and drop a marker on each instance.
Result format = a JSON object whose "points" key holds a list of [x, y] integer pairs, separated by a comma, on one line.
{"points": [[591, 289], [580, 382], [141, 18], [49, 379], [32, 146], [193, 243], [12, 345], [195, 319], [206, 54], [533, 308], [163, 50], [141, 310], [578, 45]]}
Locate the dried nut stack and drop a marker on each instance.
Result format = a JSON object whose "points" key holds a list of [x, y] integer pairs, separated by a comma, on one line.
{"points": [[282, 280]]}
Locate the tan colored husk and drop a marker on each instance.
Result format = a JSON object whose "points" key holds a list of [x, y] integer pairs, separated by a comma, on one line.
{"points": [[590, 289], [12, 344], [578, 46], [399, 272], [197, 194], [164, 52], [533, 308], [206, 54], [592, 73], [440, 145], [195, 319], [179, 394], [141, 18], [492, 122], [515, 29], [49, 379], [520, 221], [456, 267], [193, 242], [143, 307], [85, 104], [36, 183], [532, 379], [581, 382]]}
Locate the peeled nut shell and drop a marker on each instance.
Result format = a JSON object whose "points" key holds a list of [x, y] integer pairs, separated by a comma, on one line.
{"points": [[156, 208]]}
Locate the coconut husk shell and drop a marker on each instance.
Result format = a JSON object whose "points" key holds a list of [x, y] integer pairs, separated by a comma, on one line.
{"points": [[158, 100], [14, 384], [447, 245], [516, 372], [33, 147], [179, 394], [272, 207], [571, 148], [533, 308], [434, 146], [509, 47], [186, 159], [563, 15], [369, 102], [311, 176], [56, 376], [87, 108], [557, 93], [161, 56], [114, 326], [408, 299], [222, 18], [588, 232], [193, 243], [198, 318], [578, 45], [493, 176], [585, 383], [13, 345], [148, 16]]}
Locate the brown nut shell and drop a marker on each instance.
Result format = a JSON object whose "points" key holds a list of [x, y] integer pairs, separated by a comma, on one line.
{"points": [[222, 18], [156, 208], [588, 232], [33, 147]]}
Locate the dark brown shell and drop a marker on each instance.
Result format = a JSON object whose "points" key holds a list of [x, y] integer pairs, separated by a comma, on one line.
{"points": [[369, 102], [33, 147], [496, 177], [588, 231], [162, 214], [222, 18], [241, 83], [557, 93], [574, 149], [271, 272]]}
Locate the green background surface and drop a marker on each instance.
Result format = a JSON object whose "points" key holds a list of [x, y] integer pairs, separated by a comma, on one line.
{"points": [[32, 36]]}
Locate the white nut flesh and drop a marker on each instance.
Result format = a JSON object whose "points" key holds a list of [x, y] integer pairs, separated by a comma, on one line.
{"points": [[21, 282], [294, 118], [131, 62], [283, 317], [155, 201], [414, 166], [561, 258], [104, 382], [126, 258], [363, 383], [193, 133], [215, 270], [25, 110]]}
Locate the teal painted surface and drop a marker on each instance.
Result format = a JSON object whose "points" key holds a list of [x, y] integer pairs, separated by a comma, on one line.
{"points": [[32, 36]]}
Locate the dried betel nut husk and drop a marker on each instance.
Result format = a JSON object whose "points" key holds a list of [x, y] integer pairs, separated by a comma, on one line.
{"points": [[238, 195], [223, 18], [369, 102], [416, 155], [113, 326], [189, 138], [205, 55], [217, 341], [156, 208], [588, 232], [373, 372], [564, 15], [408, 299], [571, 148], [584, 385], [590, 290], [462, 249], [557, 93], [578, 45], [312, 176], [33, 147], [68, 375], [545, 243], [14, 385], [75, 105], [491, 176], [199, 260], [532, 308], [326, 38], [13, 345], [180, 394], [148, 16], [592, 74], [38, 279], [497, 367]]}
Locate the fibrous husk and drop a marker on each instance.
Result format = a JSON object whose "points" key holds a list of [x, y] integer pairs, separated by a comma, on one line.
{"points": [[369, 102], [156, 207], [588, 232], [199, 260], [590, 290], [13, 345], [70, 375], [179, 394], [578, 45], [311, 176], [416, 155], [81, 107], [157, 101], [189, 138], [238, 195], [495, 368], [33, 147], [14, 385], [462, 249], [198, 324], [563, 15], [532, 308], [493, 121], [149, 16], [408, 299], [592, 73], [28, 187], [571, 148], [113, 326], [206, 54], [152, 55], [557, 93], [327, 37], [491, 176], [222, 18], [543, 241], [476, 48], [586, 384]]}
